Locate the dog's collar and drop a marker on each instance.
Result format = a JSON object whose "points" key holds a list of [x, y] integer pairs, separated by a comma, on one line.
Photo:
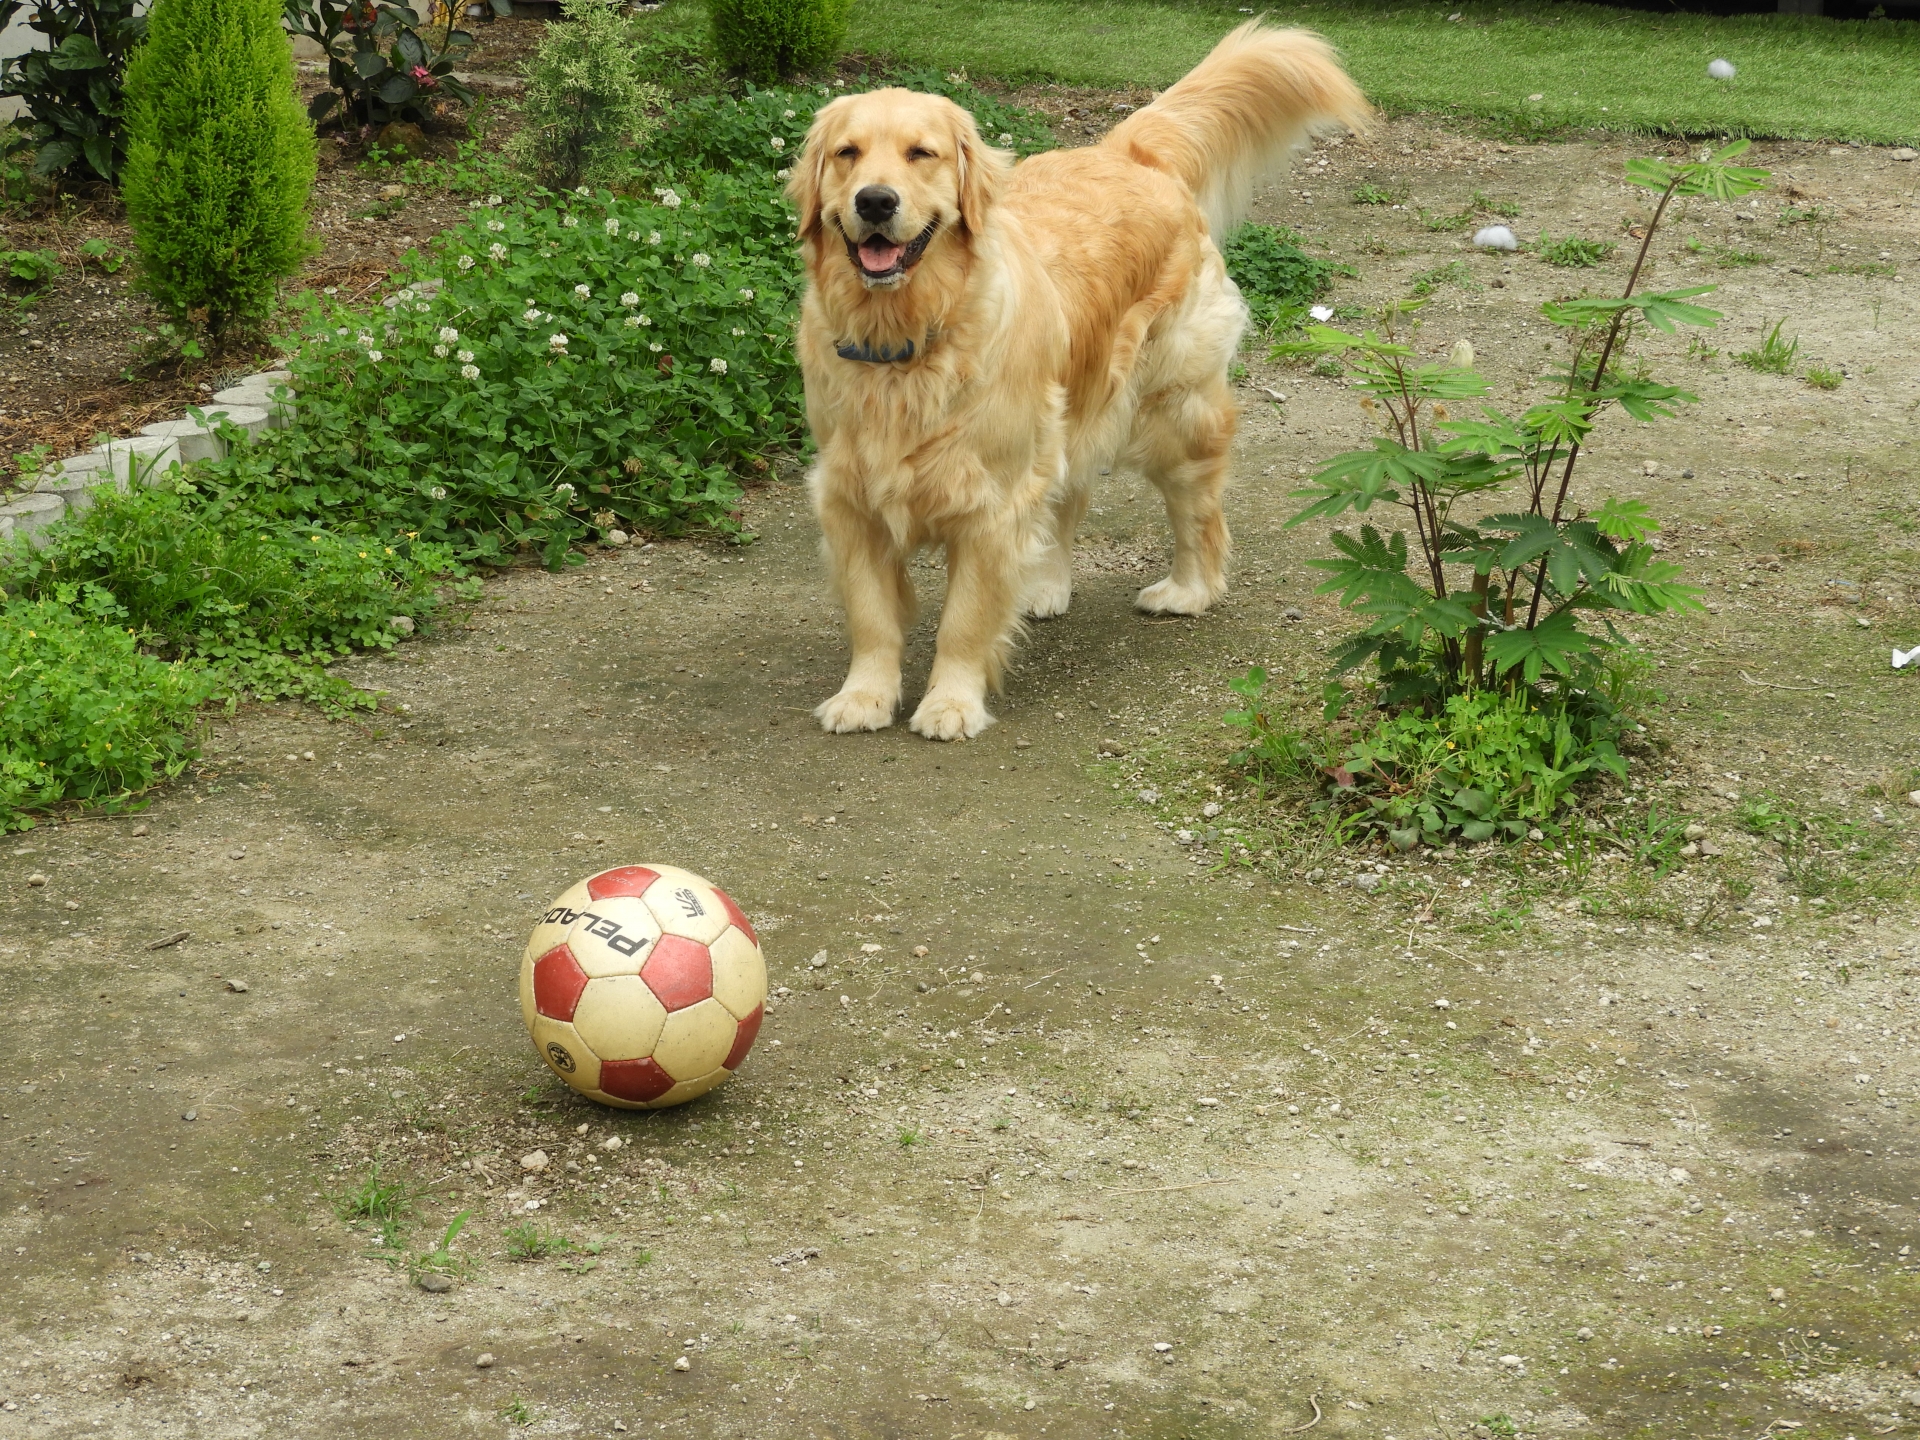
{"points": [[864, 351]]}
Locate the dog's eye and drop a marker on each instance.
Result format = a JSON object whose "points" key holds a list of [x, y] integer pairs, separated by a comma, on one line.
{"points": [[920, 152], [848, 152]]}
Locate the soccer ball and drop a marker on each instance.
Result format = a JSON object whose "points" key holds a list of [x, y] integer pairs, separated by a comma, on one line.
{"points": [[643, 986]]}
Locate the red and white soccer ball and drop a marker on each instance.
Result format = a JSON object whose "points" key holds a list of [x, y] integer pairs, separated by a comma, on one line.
{"points": [[643, 986]]}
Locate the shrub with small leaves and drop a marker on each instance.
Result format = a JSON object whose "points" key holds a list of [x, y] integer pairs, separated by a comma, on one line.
{"points": [[588, 102], [765, 39]]}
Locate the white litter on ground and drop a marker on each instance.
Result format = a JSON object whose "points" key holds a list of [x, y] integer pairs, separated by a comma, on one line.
{"points": [[1495, 237], [1721, 69]]}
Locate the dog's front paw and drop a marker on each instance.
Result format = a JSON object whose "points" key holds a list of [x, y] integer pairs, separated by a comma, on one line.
{"points": [[950, 717], [853, 709], [1170, 597], [1047, 598]]}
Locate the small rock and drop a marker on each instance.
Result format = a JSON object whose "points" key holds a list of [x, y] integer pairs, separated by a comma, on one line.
{"points": [[1707, 847], [1913, 797], [1906, 152], [534, 1161], [1512, 1362], [1293, 612], [1696, 831], [1536, 835], [191, 1115], [683, 1364], [1686, 474], [1777, 1295], [819, 959], [435, 1284], [399, 135], [1585, 1332], [1649, 467], [393, 192], [36, 880], [977, 978], [1210, 809], [73, 904], [1112, 747], [401, 624], [1004, 1298], [484, 1360], [1367, 881], [1161, 1347], [236, 854], [615, 538], [239, 987], [1443, 1004], [140, 829], [920, 952], [1689, 851], [1023, 744], [612, 1143]]}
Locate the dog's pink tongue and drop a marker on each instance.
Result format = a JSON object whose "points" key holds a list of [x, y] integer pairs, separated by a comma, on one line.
{"points": [[878, 255]]}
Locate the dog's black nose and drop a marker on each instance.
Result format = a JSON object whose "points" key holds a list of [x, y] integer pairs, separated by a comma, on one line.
{"points": [[876, 204]]}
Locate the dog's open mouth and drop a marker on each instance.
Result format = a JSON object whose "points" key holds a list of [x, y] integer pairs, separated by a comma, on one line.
{"points": [[877, 258]]}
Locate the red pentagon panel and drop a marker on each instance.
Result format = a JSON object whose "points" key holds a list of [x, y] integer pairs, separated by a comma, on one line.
{"points": [[558, 981], [679, 971], [626, 880], [736, 915], [744, 1037], [635, 1080]]}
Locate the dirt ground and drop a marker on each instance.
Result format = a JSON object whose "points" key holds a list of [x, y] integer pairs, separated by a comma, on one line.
{"points": [[1142, 1142]]}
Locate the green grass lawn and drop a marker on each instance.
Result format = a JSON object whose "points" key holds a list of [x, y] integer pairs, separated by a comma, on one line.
{"points": [[1799, 77]]}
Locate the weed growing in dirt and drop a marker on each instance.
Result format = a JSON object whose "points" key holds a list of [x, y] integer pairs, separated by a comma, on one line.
{"points": [[517, 1412], [1491, 688], [32, 270], [1571, 252], [255, 604], [1455, 272], [85, 715], [1278, 279], [528, 1241], [438, 1258], [1774, 355], [908, 1137], [1823, 378], [1371, 194], [375, 1198]]}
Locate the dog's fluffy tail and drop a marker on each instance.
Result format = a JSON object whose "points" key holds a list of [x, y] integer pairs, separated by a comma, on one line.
{"points": [[1235, 115]]}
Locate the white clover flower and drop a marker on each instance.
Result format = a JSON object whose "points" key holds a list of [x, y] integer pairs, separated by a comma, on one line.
{"points": [[786, 114], [612, 226], [656, 347], [783, 174], [702, 259], [530, 315], [438, 492], [333, 290], [423, 307], [440, 352], [738, 331], [778, 143], [630, 299], [493, 200], [633, 322], [567, 222], [465, 357], [568, 488], [341, 331], [746, 294], [497, 250], [374, 356], [668, 199], [557, 342], [583, 292], [363, 339], [466, 262], [496, 226], [717, 366], [448, 334], [644, 319], [1006, 139], [585, 192], [653, 237], [469, 372]]}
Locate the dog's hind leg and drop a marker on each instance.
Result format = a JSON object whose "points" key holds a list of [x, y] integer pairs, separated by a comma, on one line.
{"points": [[870, 573], [1048, 583], [1181, 440]]}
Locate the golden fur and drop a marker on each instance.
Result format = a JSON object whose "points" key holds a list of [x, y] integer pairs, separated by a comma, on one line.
{"points": [[1068, 315]]}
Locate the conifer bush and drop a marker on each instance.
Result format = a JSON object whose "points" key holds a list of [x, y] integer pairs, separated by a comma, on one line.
{"points": [[220, 159], [588, 102], [765, 39]]}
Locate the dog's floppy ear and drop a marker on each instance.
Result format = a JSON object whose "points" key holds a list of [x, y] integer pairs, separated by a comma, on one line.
{"points": [[803, 186], [981, 167]]}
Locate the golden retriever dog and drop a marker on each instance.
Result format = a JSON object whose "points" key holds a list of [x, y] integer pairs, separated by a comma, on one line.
{"points": [[980, 340]]}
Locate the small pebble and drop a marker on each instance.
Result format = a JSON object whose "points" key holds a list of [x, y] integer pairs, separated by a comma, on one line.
{"points": [[239, 987], [534, 1161], [140, 830], [615, 538], [36, 880], [435, 1284], [1585, 1332], [484, 1360], [401, 624], [683, 1364]]}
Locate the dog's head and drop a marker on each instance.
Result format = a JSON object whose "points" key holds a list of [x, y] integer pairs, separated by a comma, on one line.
{"points": [[889, 174]]}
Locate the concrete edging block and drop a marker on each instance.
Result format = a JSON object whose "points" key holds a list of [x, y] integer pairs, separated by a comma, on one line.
{"points": [[279, 412], [79, 487], [141, 457], [196, 441], [33, 514]]}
